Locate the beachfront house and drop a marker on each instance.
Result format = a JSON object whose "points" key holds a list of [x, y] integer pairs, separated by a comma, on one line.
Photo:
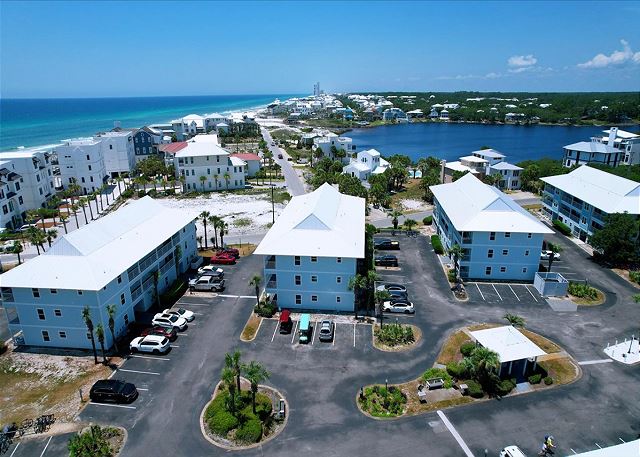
{"points": [[194, 124], [81, 162], [312, 251], [500, 239], [365, 164], [444, 115], [125, 259], [617, 148], [584, 197], [204, 158], [118, 151], [327, 142], [467, 164]]}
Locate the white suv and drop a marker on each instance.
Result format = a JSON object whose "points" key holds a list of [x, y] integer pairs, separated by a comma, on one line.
{"points": [[169, 320], [155, 344]]}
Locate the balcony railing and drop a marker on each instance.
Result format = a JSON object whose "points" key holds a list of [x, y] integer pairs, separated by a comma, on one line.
{"points": [[270, 264], [272, 283]]}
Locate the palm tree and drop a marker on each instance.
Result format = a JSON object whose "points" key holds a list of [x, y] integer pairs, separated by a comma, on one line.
{"points": [[202, 179], [256, 374], [63, 219], [205, 217], [177, 253], [395, 214], [199, 240], [222, 226], [54, 203], [82, 201], [362, 286], [380, 297], [233, 362], [103, 190], [229, 378], [100, 335], [255, 282], [119, 181], [52, 234], [410, 223], [456, 252], [86, 316], [227, 178], [215, 222], [36, 237], [75, 209], [17, 249], [484, 362], [215, 180], [111, 312], [514, 320]]}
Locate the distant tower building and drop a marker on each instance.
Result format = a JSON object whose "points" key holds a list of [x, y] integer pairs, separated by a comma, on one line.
{"points": [[316, 89]]}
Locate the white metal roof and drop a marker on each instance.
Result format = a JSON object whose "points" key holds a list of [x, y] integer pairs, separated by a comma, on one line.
{"points": [[505, 166], [95, 254], [622, 134], [591, 146], [508, 343], [237, 161], [474, 159], [205, 138], [473, 206], [490, 153], [358, 166], [605, 191], [324, 223], [201, 149], [457, 166]]}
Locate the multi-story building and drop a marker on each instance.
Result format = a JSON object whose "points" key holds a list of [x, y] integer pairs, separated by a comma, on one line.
{"points": [[481, 163], [584, 197], [118, 151], [146, 141], [125, 258], [394, 114], [194, 124], [597, 150], [253, 162], [203, 157], [326, 142], [509, 175], [312, 251], [81, 161], [501, 240], [365, 164], [627, 142]]}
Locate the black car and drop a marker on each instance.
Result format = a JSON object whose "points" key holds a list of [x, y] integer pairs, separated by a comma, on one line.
{"points": [[113, 391], [386, 260], [391, 286], [398, 294], [385, 243]]}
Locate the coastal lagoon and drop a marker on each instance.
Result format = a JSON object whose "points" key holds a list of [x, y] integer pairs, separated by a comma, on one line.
{"points": [[450, 141]]}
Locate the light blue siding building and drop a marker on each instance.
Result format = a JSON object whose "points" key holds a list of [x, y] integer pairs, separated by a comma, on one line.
{"points": [[501, 240], [110, 261], [584, 197], [312, 251]]}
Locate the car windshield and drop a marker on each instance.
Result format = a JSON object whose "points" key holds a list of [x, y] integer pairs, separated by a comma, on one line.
{"points": [[173, 318], [181, 310]]}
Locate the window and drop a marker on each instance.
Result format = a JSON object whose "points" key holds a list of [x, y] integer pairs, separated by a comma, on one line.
{"points": [[88, 335], [45, 336], [54, 291], [492, 236], [526, 253], [529, 235], [57, 313], [298, 299], [79, 292], [36, 293], [122, 300], [119, 279], [338, 259], [490, 254], [338, 299], [40, 314], [298, 280], [88, 157], [524, 270], [126, 319], [505, 252], [314, 298], [89, 167], [338, 279], [507, 234], [314, 278], [20, 200], [487, 271], [314, 259], [503, 269], [62, 335]]}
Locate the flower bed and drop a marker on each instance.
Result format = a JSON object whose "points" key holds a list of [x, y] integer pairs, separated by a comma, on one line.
{"points": [[381, 401], [396, 337]]}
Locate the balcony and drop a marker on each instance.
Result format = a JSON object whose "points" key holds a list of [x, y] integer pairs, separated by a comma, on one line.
{"points": [[270, 263], [272, 282]]}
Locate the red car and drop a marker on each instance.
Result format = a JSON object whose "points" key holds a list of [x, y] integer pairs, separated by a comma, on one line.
{"points": [[223, 259], [170, 333], [230, 251]]}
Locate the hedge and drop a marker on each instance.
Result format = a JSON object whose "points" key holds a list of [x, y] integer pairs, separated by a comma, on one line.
{"points": [[504, 387], [535, 379], [582, 290], [437, 244], [466, 349], [427, 220], [475, 389], [562, 227], [457, 370], [265, 309], [222, 422]]}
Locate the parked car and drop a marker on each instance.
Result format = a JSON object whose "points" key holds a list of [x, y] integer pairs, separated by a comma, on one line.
{"points": [[170, 320], [286, 324], [386, 260], [386, 243], [398, 306], [391, 287], [185, 313], [545, 255], [196, 262], [512, 451], [273, 143], [326, 330], [113, 391], [161, 330], [154, 344], [398, 294], [279, 156], [26, 227], [207, 283], [223, 259], [211, 270], [230, 251]]}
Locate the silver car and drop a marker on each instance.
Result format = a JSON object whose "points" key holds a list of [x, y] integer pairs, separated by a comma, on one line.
{"points": [[207, 283], [326, 330]]}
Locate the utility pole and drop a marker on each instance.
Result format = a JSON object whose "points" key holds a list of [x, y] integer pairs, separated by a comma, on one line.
{"points": [[273, 210]]}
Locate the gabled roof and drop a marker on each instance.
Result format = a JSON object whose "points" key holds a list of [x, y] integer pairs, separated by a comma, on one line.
{"points": [[246, 156], [201, 149], [490, 153], [505, 166], [508, 342], [324, 223], [605, 191], [95, 254], [172, 148], [591, 146], [360, 166], [473, 206]]}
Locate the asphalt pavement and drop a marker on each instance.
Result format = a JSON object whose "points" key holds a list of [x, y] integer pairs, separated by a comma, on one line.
{"points": [[294, 183]]}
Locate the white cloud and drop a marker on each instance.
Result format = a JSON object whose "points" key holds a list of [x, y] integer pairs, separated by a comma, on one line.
{"points": [[493, 75], [615, 58], [522, 61]]}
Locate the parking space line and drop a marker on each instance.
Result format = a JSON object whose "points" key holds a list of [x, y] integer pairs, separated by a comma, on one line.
{"points": [[514, 292], [274, 333], [192, 304], [293, 334], [149, 357], [48, 441], [335, 332], [197, 314], [354, 335], [595, 362], [15, 449], [494, 288], [140, 372], [533, 296], [455, 434], [315, 325], [573, 450], [621, 440], [599, 447], [481, 294], [142, 389], [115, 406], [175, 346]]}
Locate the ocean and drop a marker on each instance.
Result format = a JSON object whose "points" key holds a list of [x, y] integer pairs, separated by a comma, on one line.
{"points": [[38, 122], [450, 141]]}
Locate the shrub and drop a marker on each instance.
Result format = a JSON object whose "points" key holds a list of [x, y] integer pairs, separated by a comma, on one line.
{"points": [[168, 192], [504, 387], [395, 334], [457, 370], [264, 407], [467, 348], [475, 389], [582, 290], [427, 220], [548, 380], [437, 244], [127, 193], [382, 402], [451, 275], [222, 422], [265, 309], [535, 379], [634, 276], [141, 193], [432, 373], [562, 227], [250, 431]]}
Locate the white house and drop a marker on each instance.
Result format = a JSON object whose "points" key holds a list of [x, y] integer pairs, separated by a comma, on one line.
{"points": [[365, 164], [113, 260], [484, 162], [118, 151], [509, 175], [253, 162], [625, 141], [394, 114], [326, 142], [500, 239], [81, 161], [444, 115], [204, 158], [616, 148], [312, 251]]}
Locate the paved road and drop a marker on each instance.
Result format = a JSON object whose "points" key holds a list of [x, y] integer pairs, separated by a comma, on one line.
{"points": [[294, 183]]}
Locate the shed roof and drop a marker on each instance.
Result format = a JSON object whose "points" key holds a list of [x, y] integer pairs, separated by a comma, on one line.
{"points": [[508, 342]]}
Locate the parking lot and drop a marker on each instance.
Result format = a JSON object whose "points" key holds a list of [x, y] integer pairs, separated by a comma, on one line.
{"points": [[514, 294], [40, 446]]}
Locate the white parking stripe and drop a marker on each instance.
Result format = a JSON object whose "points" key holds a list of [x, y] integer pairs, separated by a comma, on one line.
{"points": [[149, 357], [115, 406], [455, 434], [15, 449], [141, 372], [533, 296], [573, 450], [293, 334], [192, 304], [599, 447], [144, 390], [514, 292], [595, 362], [481, 294], [175, 346], [494, 288], [354, 335], [274, 333], [47, 445], [313, 329], [621, 440]]}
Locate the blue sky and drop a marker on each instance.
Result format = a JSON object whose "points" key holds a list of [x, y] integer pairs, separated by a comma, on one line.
{"points": [[84, 49]]}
